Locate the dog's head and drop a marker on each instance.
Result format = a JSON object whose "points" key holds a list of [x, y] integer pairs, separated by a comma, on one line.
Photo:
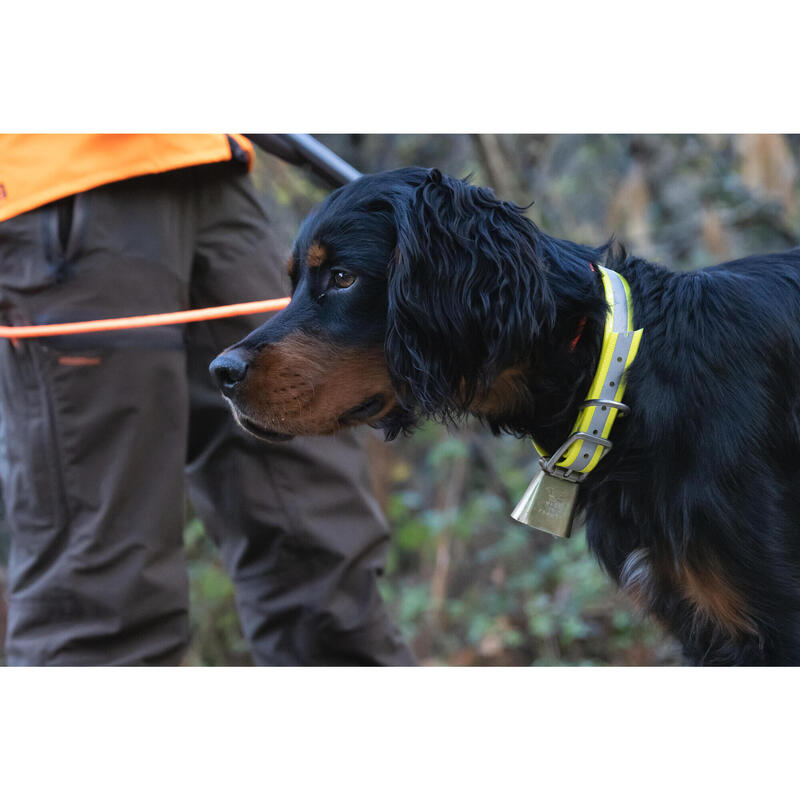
{"points": [[414, 294]]}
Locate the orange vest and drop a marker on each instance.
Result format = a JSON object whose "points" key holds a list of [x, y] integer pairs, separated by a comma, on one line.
{"points": [[37, 168]]}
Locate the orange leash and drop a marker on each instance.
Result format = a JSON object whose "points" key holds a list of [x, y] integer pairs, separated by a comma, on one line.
{"points": [[147, 321]]}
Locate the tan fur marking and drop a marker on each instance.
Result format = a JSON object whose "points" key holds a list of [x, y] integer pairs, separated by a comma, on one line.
{"points": [[316, 255], [707, 590], [507, 392], [302, 385], [290, 265], [714, 598]]}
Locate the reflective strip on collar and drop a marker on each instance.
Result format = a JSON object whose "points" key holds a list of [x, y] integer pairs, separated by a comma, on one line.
{"points": [[620, 345]]}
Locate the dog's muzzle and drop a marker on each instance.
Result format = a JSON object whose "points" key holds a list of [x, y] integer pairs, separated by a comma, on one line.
{"points": [[228, 370]]}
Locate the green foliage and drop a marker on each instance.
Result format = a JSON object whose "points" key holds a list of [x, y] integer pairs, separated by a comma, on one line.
{"points": [[468, 585], [216, 635]]}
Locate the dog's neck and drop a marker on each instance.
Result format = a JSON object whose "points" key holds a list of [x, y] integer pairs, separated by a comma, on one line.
{"points": [[558, 386], [559, 375], [552, 386]]}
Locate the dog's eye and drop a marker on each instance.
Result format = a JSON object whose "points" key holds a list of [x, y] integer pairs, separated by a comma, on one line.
{"points": [[342, 279]]}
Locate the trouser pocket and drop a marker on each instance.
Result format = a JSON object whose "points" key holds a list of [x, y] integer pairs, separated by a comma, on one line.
{"points": [[35, 251], [30, 458], [36, 248]]}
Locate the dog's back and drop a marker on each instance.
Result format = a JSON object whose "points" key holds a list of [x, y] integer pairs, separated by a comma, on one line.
{"points": [[703, 487]]}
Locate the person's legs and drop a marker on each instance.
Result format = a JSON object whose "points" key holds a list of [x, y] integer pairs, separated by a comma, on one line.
{"points": [[95, 431], [298, 527]]}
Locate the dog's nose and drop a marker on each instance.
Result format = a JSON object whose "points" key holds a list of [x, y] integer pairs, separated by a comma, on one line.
{"points": [[228, 370]]}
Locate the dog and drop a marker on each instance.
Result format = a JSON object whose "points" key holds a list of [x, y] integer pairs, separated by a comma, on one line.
{"points": [[417, 295]]}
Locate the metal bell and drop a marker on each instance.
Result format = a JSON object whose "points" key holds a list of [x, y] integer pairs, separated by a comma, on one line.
{"points": [[548, 505]]}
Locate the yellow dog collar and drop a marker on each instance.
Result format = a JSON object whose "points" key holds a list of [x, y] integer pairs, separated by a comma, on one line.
{"points": [[589, 441], [549, 503]]}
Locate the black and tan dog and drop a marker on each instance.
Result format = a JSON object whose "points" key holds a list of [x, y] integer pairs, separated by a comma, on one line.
{"points": [[417, 295]]}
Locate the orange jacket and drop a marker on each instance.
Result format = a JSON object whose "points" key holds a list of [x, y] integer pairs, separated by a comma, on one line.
{"points": [[38, 168]]}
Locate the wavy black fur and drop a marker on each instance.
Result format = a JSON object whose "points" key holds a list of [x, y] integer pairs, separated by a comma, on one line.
{"points": [[696, 510]]}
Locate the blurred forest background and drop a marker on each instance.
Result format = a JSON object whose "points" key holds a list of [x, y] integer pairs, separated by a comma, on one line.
{"points": [[465, 583]]}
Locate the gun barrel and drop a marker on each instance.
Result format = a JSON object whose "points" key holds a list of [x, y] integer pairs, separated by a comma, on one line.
{"points": [[323, 157], [299, 148]]}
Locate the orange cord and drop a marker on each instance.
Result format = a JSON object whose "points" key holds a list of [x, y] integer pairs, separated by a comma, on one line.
{"points": [[148, 321]]}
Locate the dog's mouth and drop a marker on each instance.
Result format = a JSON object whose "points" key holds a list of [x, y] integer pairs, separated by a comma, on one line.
{"points": [[363, 411], [260, 432]]}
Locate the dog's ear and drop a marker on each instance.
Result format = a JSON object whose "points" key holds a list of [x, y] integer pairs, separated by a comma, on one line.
{"points": [[467, 294]]}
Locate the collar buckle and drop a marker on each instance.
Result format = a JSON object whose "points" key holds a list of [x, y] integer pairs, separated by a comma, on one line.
{"points": [[549, 465]]}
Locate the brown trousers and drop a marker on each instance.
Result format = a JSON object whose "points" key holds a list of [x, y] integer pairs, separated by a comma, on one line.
{"points": [[104, 434]]}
